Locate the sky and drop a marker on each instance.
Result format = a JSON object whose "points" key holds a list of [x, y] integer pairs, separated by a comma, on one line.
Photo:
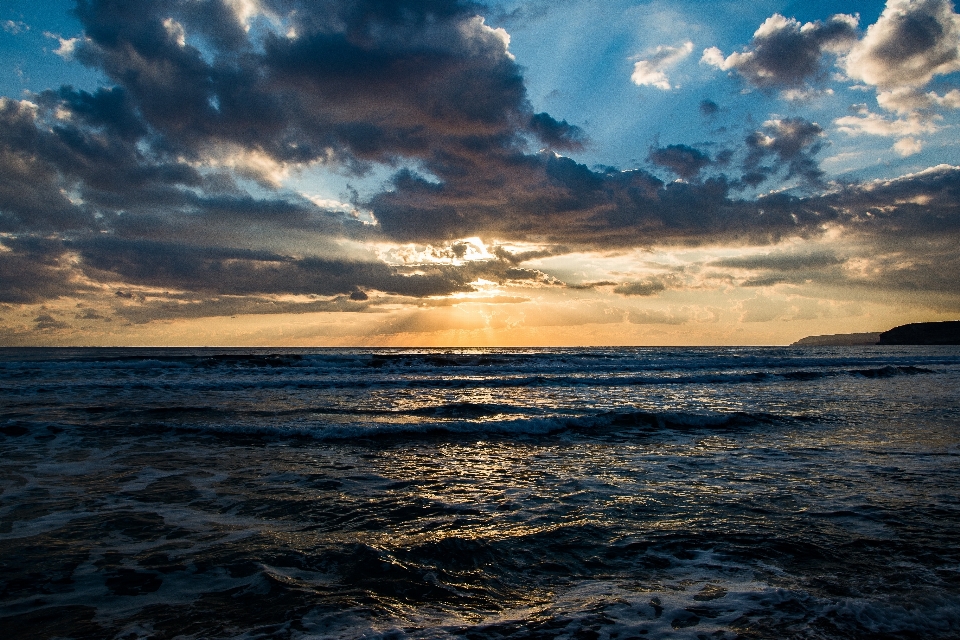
{"points": [[453, 173]]}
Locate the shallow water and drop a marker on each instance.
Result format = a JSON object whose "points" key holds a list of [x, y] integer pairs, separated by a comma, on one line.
{"points": [[622, 493]]}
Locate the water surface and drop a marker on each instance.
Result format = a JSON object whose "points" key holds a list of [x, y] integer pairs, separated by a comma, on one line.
{"points": [[495, 493]]}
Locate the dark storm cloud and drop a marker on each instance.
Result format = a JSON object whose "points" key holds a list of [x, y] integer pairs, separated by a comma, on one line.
{"points": [[546, 198], [107, 109], [354, 83], [559, 135], [785, 54], [33, 270], [201, 97], [365, 80], [222, 271], [360, 82], [65, 169], [901, 236], [78, 162], [684, 161], [32, 187], [924, 204], [909, 229], [144, 182], [184, 307], [789, 144], [241, 272]]}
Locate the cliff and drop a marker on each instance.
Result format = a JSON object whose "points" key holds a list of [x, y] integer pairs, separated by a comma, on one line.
{"points": [[923, 333], [839, 340]]}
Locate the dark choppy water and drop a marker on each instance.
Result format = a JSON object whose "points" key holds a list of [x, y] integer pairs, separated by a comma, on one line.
{"points": [[627, 493]]}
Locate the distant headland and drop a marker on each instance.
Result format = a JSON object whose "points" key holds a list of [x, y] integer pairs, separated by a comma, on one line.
{"points": [[839, 340], [930, 333]]}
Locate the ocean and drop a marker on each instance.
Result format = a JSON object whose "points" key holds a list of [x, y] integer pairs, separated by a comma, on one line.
{"points": [[480, 493]]}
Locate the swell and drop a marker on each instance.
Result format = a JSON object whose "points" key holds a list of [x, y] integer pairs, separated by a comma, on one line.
{"points": [[285, 377], [652, 359], [441, 420]]}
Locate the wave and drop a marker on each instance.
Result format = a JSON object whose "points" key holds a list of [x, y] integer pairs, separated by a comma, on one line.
{"points": [[442, 420], [251, 360], [304, 379], [445, 420]]}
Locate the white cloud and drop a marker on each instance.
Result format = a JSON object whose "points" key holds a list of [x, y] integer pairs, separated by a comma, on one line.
{"points": [[950, 100], [903, 100], [250, 163], [176, 32], [458, 252], [66, 48], [876, 125], [652, 72], [67, 45], [805, 94], [714, 57], [913, 41], [245, 11], [907, 146], [909, 100], [15, 27], [479, 29]]}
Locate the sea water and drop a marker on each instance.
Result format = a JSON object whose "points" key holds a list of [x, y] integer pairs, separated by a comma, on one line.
{"points": [[491, 493]]}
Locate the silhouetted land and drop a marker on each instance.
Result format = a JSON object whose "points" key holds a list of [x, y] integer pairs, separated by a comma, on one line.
{"points": [[931, 333], [839, 340], [923, 333]]}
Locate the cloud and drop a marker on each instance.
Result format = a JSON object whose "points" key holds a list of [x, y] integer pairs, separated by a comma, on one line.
{"points": [[922, 204], [789, 143], [67, 48], [160, 156], [33, 270], [908, 147], [168, 307], [780, 261], [780, 267], [89, 314], [652, 72], [32, 192], [243, 272], [709, 108], [645, 316], [684, 161], [643, 288], [913, 41], [785, 54], [876, 125], [364, 81], [15, 27], [173, 178], [559, 135], [551, 199], [46, 322]]}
